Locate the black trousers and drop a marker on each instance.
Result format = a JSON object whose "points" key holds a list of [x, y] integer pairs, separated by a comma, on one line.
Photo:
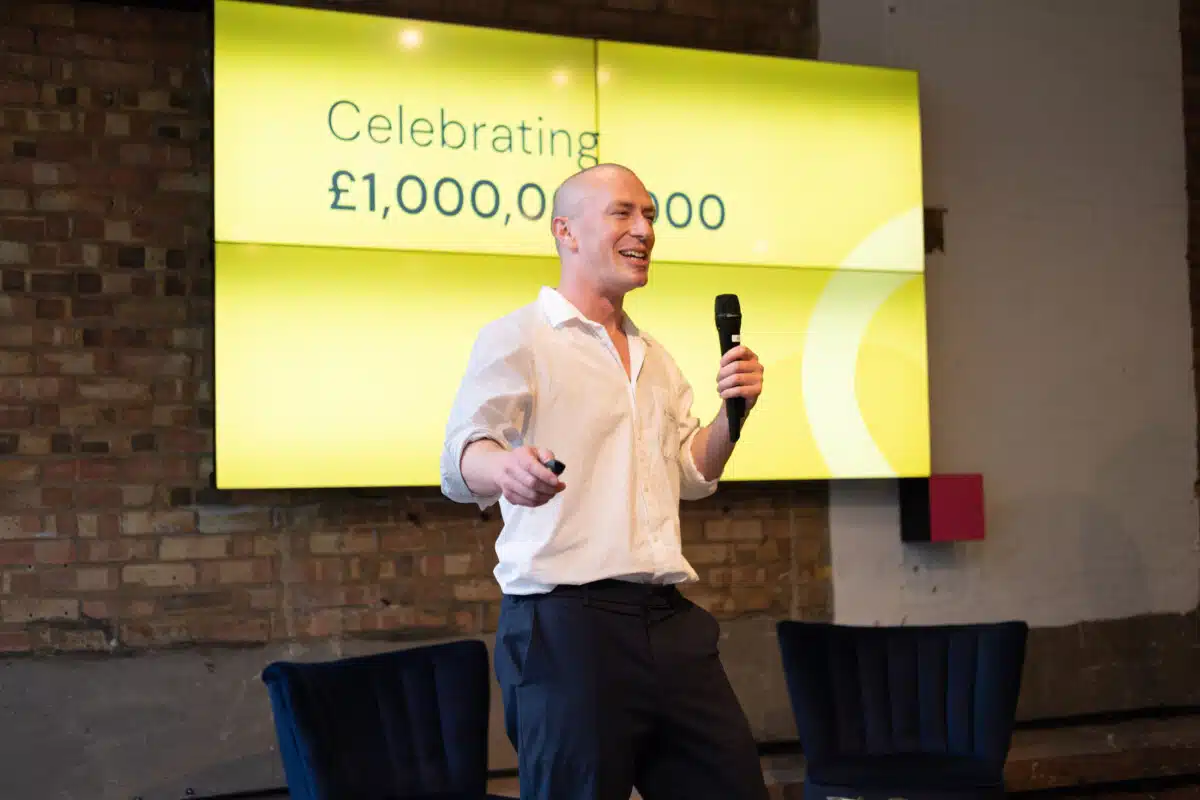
{"points": [[614, 685]]}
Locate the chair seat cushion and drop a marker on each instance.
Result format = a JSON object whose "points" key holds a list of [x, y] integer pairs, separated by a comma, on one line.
{"points": [[900, 770]]}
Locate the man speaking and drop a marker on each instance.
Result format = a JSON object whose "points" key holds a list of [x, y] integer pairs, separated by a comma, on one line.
{"points": [[611, 679]]}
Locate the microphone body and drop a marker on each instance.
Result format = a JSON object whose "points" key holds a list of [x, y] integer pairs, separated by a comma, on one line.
{"points": [[729, 330]]}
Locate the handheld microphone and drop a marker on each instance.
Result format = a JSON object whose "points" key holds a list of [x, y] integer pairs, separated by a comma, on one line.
{"points": [[729, 329]]}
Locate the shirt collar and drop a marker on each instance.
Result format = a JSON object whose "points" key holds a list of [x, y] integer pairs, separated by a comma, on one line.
{"points": [[558, 311]]}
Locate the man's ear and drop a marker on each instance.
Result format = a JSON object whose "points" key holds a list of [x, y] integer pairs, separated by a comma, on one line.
{"points": [[562, 233]]}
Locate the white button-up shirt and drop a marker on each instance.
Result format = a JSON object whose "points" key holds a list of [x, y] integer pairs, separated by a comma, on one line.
{"points": [[546, 376]]}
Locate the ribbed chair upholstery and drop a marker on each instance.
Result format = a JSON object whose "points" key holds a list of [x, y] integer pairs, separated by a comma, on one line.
{"points": [[400, 725], [913, 712]]}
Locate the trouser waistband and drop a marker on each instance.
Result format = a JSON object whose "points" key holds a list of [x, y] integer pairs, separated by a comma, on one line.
{"points": [[623, 593]]}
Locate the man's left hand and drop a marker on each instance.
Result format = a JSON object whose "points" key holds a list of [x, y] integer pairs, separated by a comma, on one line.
{"points": [[741, 375]]}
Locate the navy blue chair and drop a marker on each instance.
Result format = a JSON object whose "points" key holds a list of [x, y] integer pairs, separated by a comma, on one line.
{"points": [[912, 712], [399, 725]]}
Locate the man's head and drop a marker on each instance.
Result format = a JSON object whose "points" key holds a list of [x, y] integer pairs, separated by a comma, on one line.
{"points": [[603, 225]]}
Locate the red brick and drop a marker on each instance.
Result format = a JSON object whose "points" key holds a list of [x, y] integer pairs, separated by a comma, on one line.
{"points": [[14, 642], [728, 529], [136, 523], [186, 442], [72, 148], [183, 548], [13, 471], [23, 229], [17, 552], [14, 39], [30, 609], [98, 496], [15, 253], [63, 524], [32, 388], [53, 497], [48, 15], [15, 91], [54, 552], [113, 389], [113, 20], [20, 526], [236, 572], [329, 543], [79, 579], [116, 74], [67, 363], [13, 199], [49, 335], [15, 416], [150, 365], [15, 362], [159, 575], [117, 550], [99, 469], [478, 590], [67, 200], [233, 520]]}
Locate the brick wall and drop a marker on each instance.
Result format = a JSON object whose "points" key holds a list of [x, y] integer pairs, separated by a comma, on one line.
{"points": [[111, 538]]}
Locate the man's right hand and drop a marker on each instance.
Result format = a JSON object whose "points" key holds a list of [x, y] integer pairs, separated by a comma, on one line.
{"points": [[524, 478], [520, 475]]}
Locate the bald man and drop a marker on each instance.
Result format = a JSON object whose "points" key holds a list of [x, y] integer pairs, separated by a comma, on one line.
{"points": [[611, 678]]}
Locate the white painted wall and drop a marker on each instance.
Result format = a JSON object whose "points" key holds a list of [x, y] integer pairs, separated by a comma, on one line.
{"points": [[1059, 323]]}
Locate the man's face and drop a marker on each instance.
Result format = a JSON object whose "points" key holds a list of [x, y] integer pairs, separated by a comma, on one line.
{"points": [[615, 231]]}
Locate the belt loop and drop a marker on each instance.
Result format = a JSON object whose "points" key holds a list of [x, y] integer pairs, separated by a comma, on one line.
{"points": [[587, 596]]}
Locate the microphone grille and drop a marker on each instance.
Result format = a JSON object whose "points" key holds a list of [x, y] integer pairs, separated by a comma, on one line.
{"points": [[727, 304]]}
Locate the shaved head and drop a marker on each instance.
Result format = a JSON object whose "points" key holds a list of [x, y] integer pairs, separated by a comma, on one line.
{"points": [[572, 191]]}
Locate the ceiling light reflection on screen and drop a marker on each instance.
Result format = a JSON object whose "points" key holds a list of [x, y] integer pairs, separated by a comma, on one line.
{"points": [[410, 38]]}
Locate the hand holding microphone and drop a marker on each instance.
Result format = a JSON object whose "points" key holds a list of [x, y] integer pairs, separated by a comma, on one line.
{"points": [[740, 378]]}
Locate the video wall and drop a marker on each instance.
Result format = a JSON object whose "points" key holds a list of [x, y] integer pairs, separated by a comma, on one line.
{"points": [[383, 189]]}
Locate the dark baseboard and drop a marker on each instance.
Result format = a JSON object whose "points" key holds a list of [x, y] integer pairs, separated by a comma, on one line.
{"points": [[1108, 717], [1133, 786], [774, 747]]}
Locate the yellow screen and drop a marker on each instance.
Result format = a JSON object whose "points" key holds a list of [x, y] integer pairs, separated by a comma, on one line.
{"points": [[383, 188]]}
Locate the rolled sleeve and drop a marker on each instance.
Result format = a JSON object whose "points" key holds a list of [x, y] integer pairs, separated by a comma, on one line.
{"points": [[493, 402], [692, 483], [454, 485]]}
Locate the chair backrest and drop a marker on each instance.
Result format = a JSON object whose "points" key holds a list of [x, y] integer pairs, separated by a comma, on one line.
{"points": [[394, 725], [933, 689]]}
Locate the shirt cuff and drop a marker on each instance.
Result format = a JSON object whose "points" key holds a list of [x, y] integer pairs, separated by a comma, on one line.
{"points": [[454, 485], [693, 485]]}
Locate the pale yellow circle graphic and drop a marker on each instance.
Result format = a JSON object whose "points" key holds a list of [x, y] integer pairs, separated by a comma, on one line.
{"points": [[891, 380], [869, 415]]}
